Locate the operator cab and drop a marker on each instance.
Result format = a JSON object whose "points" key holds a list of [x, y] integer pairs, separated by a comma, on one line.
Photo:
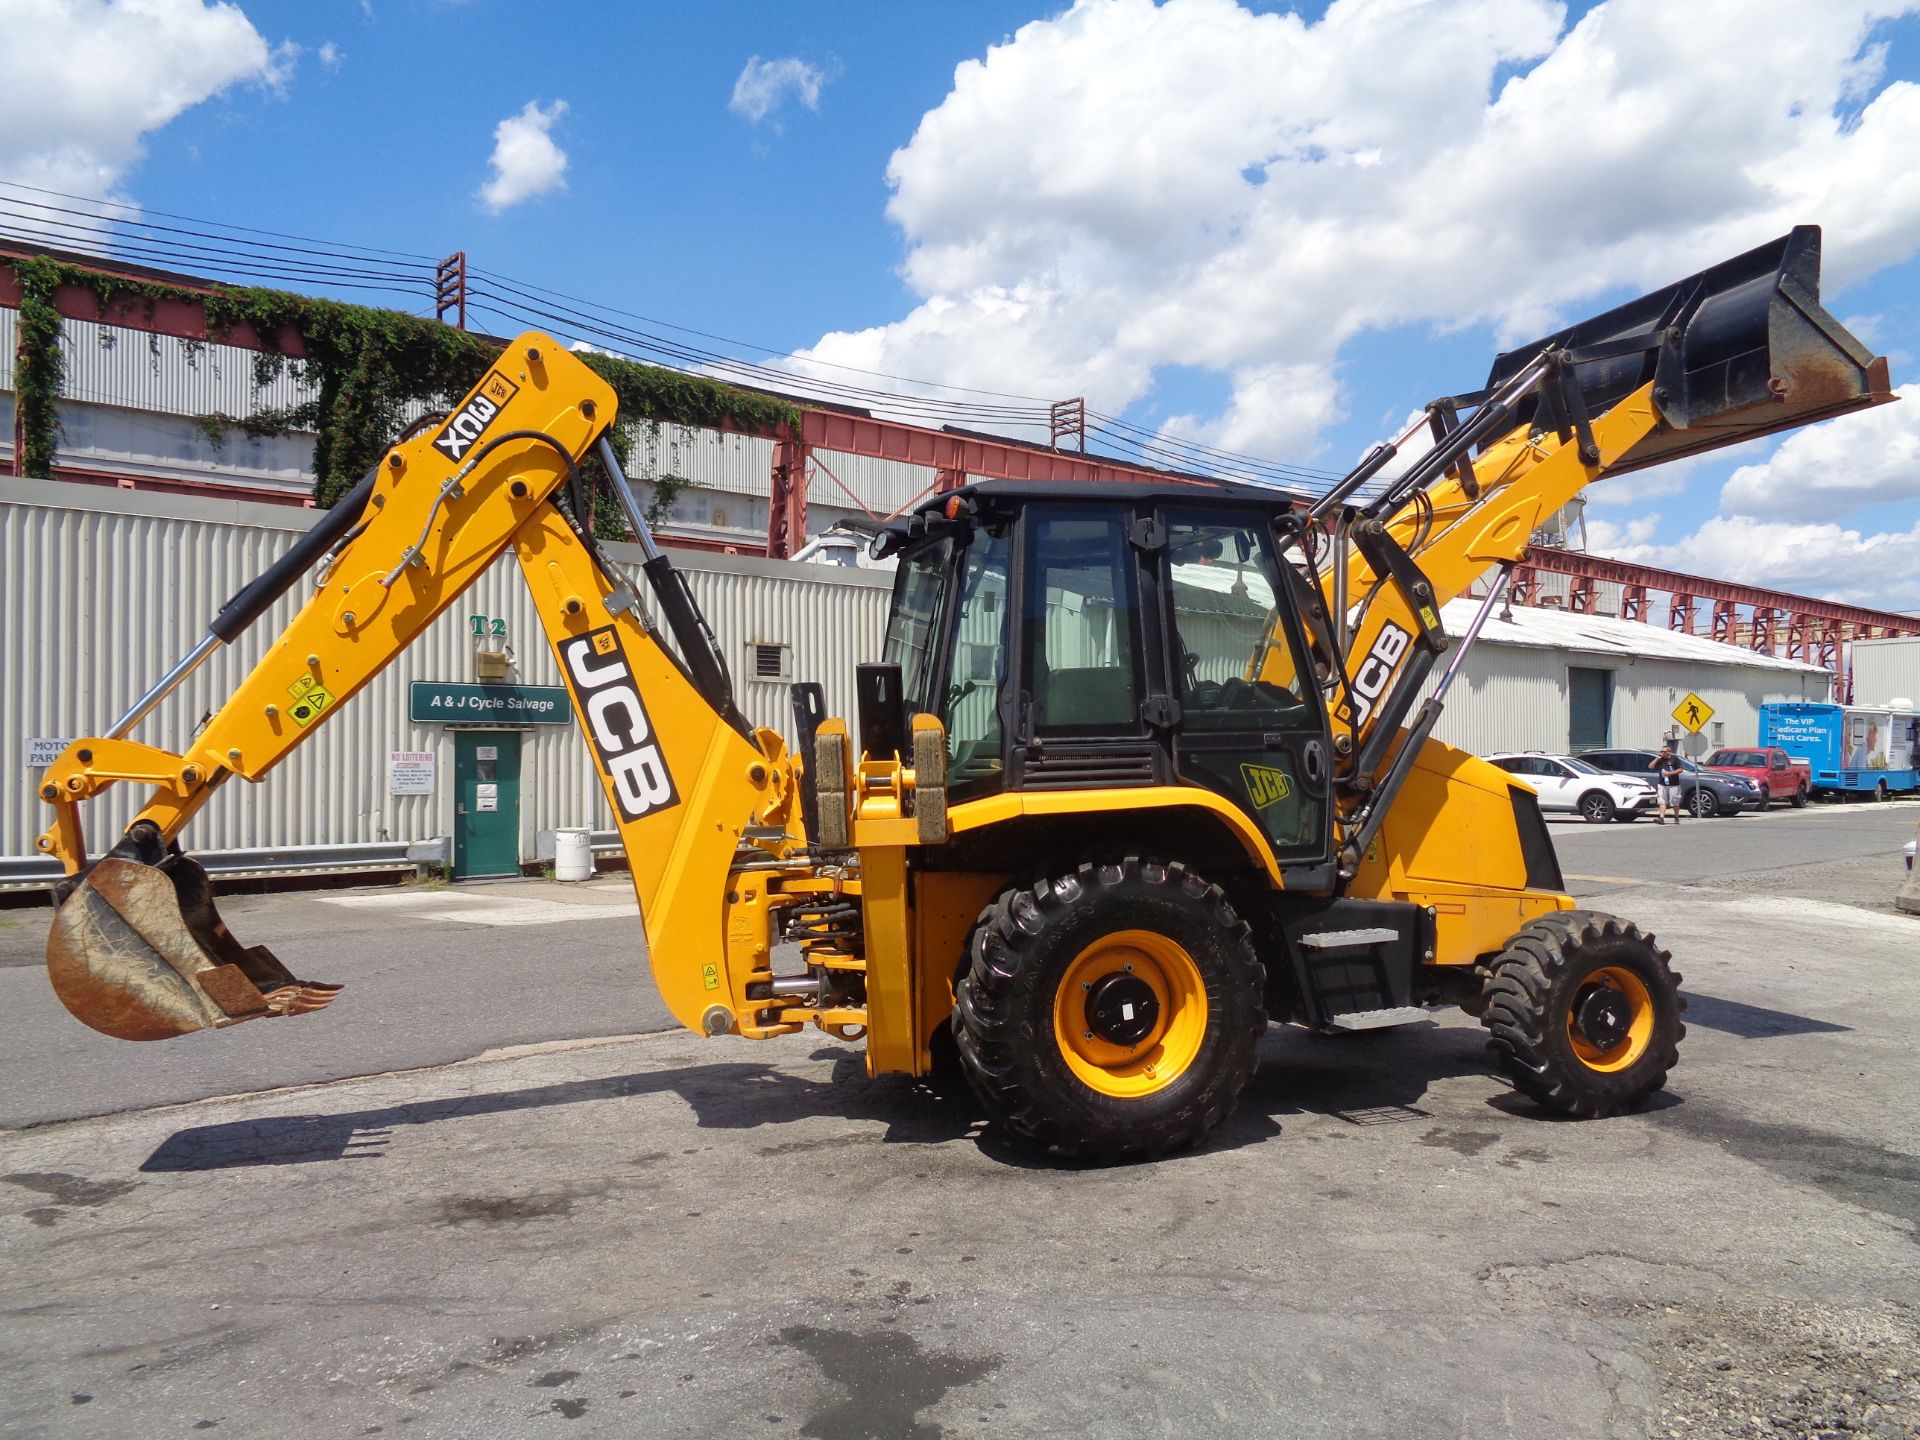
{"points": [[1110, 637]]}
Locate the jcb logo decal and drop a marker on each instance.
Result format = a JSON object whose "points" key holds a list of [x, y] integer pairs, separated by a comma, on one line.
{"points": [[1265, 785], [470, 421], [617, 724], [1375, 671]]}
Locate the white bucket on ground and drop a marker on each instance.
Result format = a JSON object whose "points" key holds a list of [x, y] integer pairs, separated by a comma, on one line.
{"points": [[573, 854]]}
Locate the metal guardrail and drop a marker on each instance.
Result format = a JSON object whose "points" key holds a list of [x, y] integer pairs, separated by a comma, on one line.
{"points": [[35, 872]]}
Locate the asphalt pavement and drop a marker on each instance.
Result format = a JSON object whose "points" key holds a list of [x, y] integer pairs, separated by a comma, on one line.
{"points": [[666, 1236], [433, 975]]}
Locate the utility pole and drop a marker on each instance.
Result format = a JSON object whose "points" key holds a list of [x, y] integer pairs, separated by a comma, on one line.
{"points": [[450, 288]]}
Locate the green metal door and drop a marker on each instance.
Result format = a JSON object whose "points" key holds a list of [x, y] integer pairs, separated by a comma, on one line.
{"points": [[486, 803], [1590, 708]]}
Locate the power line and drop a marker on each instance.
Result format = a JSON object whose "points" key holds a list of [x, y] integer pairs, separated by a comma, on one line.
{"points": [[751, 345], [94, 240], [289, 258], [334, 247]]}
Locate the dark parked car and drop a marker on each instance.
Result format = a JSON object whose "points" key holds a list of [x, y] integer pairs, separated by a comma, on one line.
{"points": [[1702, 791]]}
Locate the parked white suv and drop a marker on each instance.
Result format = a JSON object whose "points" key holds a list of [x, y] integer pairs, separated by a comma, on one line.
{"points": [[1565, 783]]}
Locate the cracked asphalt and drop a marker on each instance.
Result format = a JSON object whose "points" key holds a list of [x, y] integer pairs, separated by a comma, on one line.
{"points": [[656, 1235]]}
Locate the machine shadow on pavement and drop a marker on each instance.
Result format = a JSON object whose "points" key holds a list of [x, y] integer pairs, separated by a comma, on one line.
{"points": [[1752, 1022], [1364, 1079]]}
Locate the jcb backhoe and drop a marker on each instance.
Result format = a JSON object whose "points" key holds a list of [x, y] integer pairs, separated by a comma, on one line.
{"points": [[1140, 768]]}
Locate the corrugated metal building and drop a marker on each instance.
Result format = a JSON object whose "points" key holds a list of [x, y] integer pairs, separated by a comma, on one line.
{"points": [[1885, 671], [104, 589]]}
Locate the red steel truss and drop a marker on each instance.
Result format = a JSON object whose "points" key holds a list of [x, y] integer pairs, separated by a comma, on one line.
{"points": [[1799, 627]]}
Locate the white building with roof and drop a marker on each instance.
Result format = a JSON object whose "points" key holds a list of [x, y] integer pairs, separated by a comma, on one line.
{"points": [[1543, 679]]}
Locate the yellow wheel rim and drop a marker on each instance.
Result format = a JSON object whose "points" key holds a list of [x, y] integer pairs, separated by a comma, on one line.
{"points": [[1167, 1050], [1633, 1044]]}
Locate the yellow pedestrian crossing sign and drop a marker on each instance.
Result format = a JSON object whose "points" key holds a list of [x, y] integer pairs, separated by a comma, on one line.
{"points": [[1693, 713]]}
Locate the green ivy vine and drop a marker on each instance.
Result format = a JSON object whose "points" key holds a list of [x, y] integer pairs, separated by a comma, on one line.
{"points": [[39, 367], [369, 370]]}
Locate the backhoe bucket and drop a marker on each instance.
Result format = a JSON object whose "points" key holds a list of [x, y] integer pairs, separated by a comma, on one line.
{"points": [[1739, 350], [139, 952]]}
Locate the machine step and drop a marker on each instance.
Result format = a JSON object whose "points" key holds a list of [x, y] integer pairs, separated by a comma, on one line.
{"points": [[1347, 939], [1378, 1019]]}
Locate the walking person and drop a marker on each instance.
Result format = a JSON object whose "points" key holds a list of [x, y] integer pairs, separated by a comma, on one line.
{"points": [[1667, 771]]}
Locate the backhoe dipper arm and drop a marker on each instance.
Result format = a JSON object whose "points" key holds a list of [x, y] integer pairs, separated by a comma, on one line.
{"points": [[137, 949]]}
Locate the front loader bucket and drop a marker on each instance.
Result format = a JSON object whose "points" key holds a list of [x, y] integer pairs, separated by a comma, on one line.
{"points": [[1739, 350], [139, 952]]}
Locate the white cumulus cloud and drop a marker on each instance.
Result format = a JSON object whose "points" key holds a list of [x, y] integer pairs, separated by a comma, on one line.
{"points": [[526, 162], [1818, 558], [83, 82], [331, 55], [765, 85], [1082, 209], [1829, 471]]}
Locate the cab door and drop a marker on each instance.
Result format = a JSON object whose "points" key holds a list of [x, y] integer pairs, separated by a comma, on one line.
{"points": [[1251, 723]]}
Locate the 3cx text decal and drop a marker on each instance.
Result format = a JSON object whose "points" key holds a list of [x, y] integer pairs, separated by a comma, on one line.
{"points": [[1375, 671], [470, 421], [617, 724]]}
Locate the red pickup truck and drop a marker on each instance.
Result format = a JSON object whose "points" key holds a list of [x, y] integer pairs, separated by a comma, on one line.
{"points": [[1778, 774]]}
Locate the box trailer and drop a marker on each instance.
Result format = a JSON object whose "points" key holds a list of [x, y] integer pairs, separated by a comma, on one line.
{"points": [[1850, 749]]}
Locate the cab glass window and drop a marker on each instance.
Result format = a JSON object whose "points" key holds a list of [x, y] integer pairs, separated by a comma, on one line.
{"points": [[913, 623], [1080, 624], [971, 710], [1237, 662]]}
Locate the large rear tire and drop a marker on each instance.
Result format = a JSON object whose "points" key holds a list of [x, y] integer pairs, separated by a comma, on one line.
{"points": [[1584, 1013], [1111, 1012], [1800, 798]]}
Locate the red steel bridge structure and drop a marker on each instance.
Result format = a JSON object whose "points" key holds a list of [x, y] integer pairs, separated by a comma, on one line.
{"points": [[1798, 627]]}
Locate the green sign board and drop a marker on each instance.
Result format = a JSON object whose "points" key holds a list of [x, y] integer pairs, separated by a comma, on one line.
{"points": [[445, 702]]}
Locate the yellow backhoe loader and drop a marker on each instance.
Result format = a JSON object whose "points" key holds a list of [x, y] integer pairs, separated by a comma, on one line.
{"points": [[1139, 770]]}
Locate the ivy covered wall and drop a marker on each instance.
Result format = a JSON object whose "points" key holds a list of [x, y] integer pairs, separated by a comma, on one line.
{"points": [[368, 368]]}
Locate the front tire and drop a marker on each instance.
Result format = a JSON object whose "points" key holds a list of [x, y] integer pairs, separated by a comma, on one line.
{"points": [[1706, 804], [1111, 1012], [1595, 808], [1584, 1012]]}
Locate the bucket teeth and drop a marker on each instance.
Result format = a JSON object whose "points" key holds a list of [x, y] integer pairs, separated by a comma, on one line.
{"points": [[301, 999], [139, 952]]}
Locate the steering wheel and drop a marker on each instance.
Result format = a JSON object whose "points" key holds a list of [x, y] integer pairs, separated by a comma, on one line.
{"points": [[1201, 694]]}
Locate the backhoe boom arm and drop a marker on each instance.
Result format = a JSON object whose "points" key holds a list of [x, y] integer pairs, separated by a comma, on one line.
{"points": [[137, 948]]}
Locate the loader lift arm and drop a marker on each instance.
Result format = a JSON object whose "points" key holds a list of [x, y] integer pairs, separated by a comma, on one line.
{"points": [[137, 949], [1739, 350]]}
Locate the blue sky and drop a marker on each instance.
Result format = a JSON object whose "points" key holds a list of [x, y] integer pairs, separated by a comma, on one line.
{"points": [[1276, 229]]}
